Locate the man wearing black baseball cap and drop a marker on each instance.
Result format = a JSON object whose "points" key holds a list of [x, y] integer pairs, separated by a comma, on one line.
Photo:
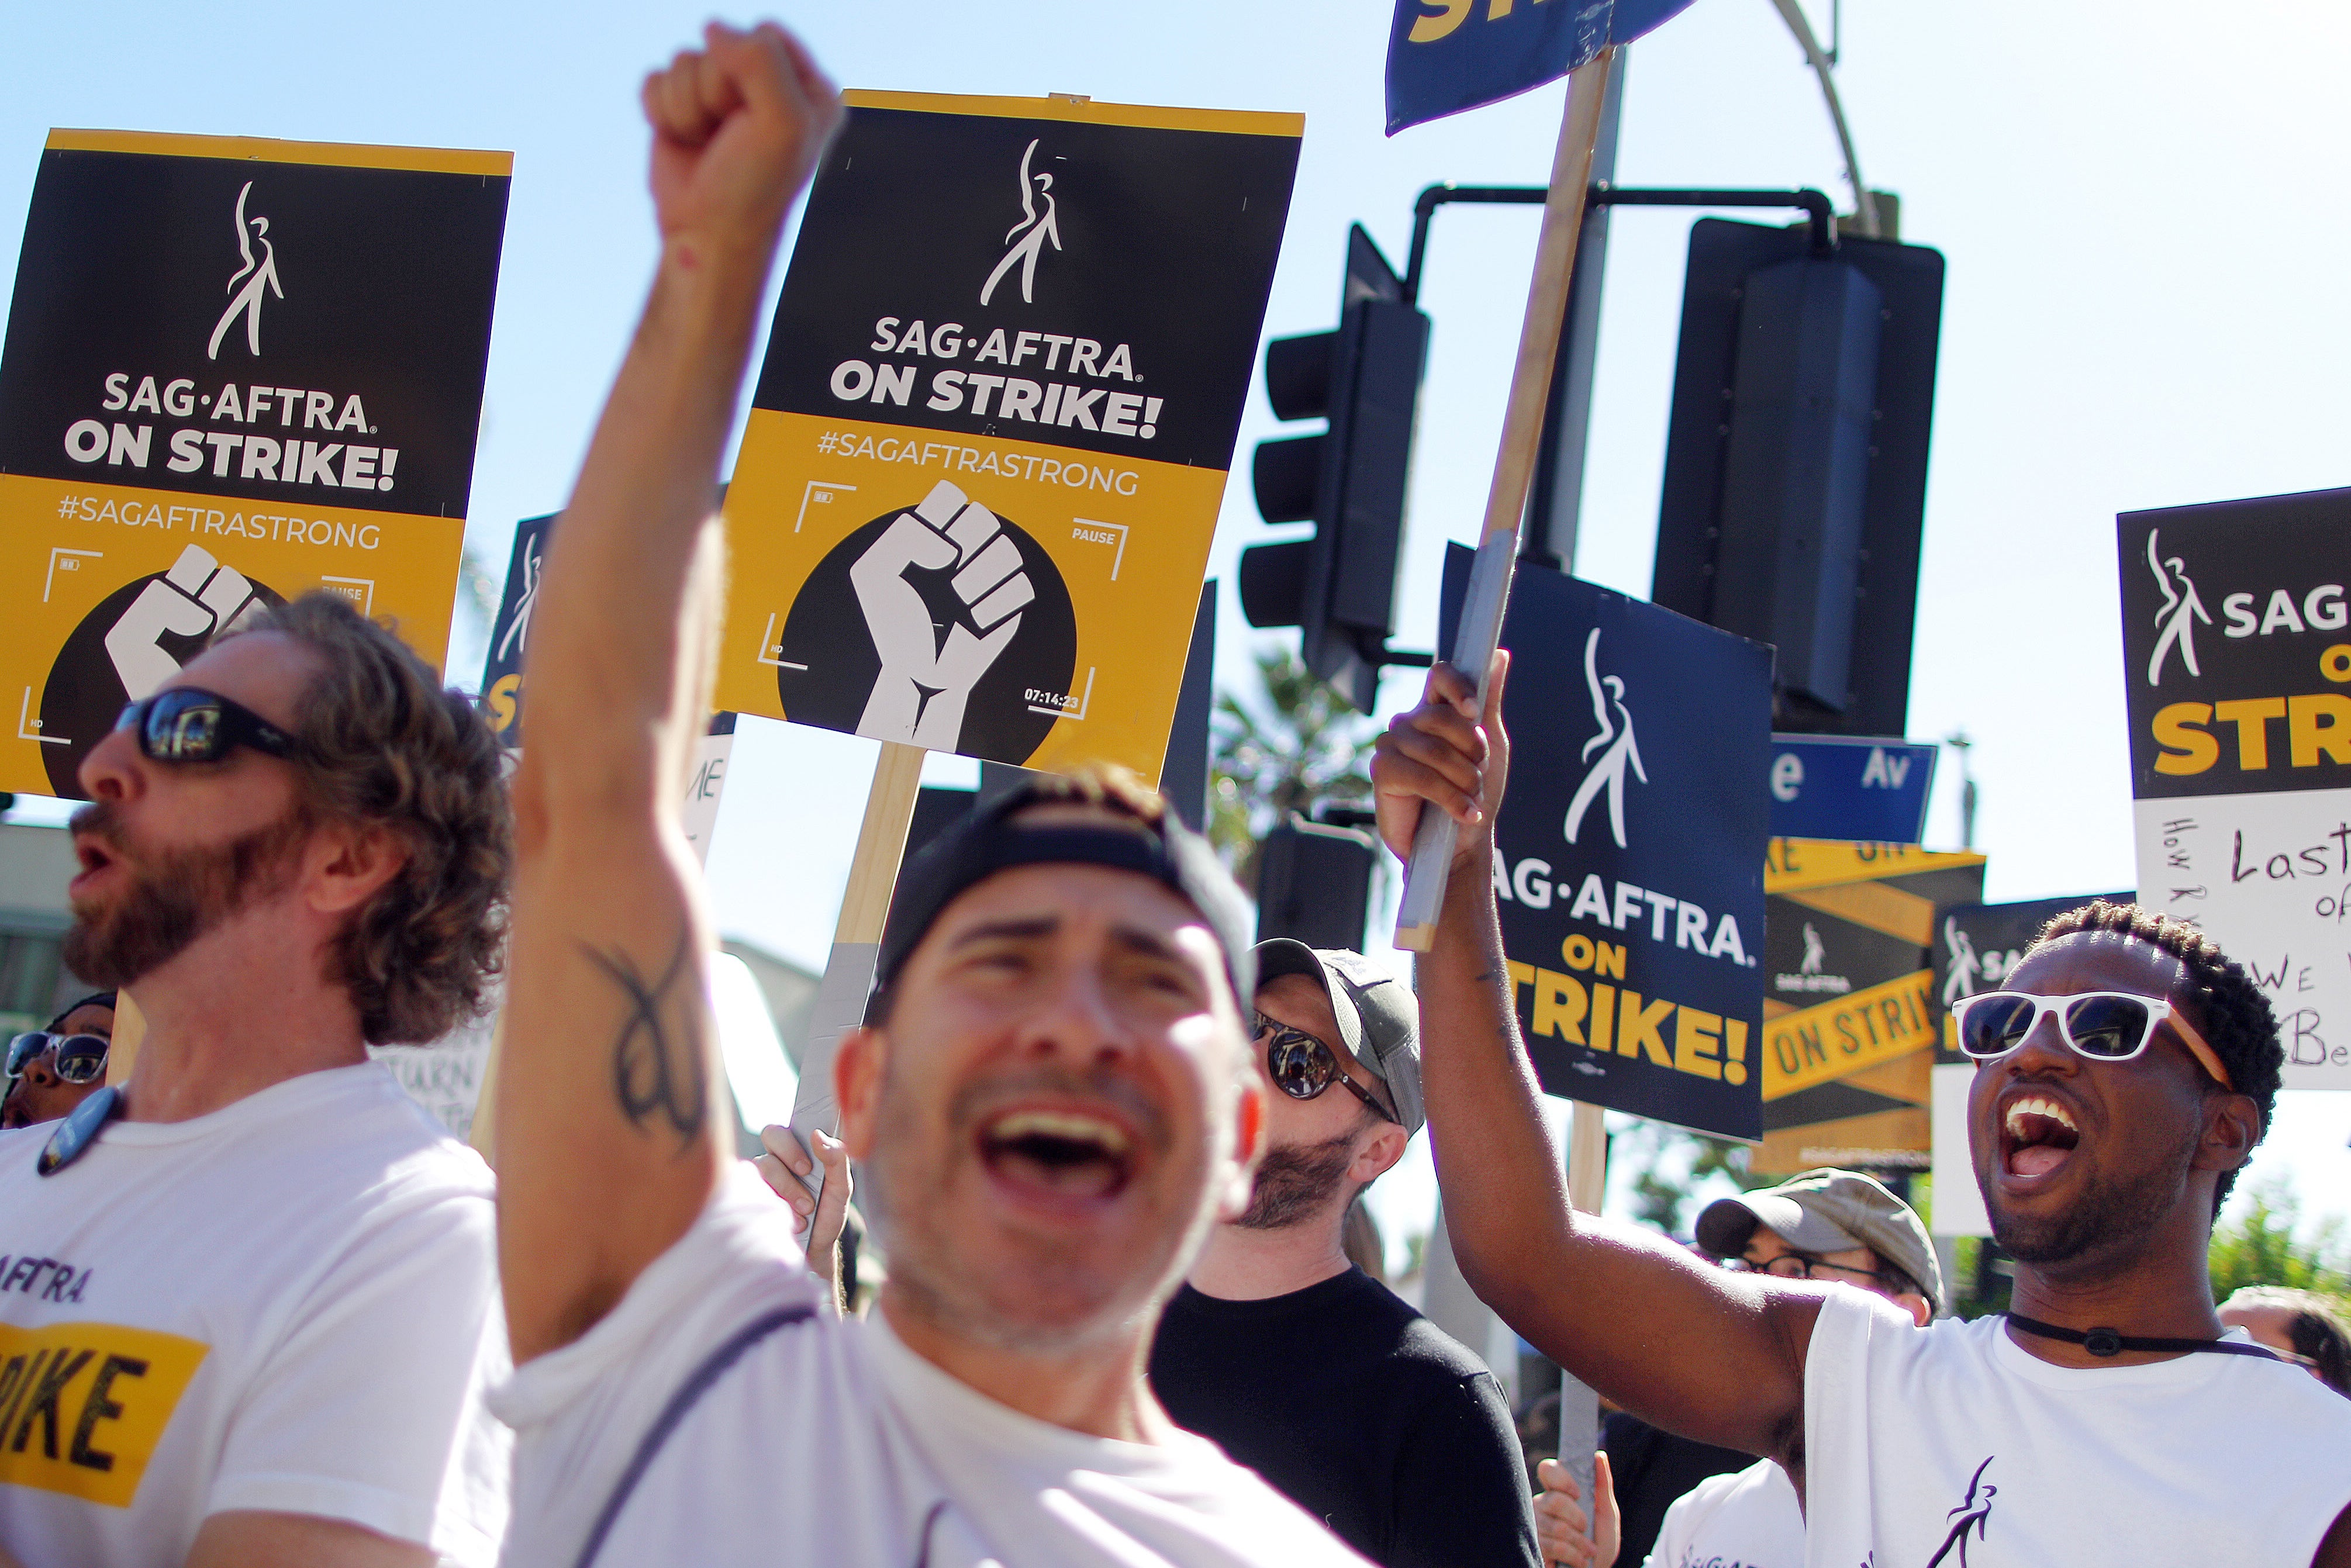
{"points": [[1052, 1098], [1300, 1365]]}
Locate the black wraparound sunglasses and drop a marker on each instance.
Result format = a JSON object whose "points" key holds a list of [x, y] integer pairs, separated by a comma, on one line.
{"points": [[187, 724], [1302, 1066]]}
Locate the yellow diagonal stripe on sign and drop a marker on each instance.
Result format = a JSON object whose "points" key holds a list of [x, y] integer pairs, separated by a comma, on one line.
{"points": [[1886, 910], [1792, 863], [1859, 1030], [269, 149], [82, 1405], [1085, 112]]}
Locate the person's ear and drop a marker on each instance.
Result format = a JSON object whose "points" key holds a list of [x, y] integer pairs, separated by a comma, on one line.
{"points": [[1921, 1310], [1249, 1138], [1379, 1152], [344, 866], [858, 1064], [2233, 1125]]}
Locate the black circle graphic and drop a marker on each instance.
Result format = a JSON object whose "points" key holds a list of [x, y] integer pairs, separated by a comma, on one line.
{"points": [[826, 632], [84, 694]]}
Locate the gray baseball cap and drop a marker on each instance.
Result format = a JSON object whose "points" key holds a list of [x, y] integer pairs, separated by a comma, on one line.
{"points": [[1379, 1017], [1828, 1211]]}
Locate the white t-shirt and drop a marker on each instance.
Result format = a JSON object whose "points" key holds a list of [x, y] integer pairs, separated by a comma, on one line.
{"points": [[1747, 1519], [1955, 1446], [786, 1436], [288, 1305]]}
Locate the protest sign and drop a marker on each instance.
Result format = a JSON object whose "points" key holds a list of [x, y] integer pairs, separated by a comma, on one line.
{"points": [[2237, 662], [235, 371], [1446, 56], [502, 669], [1850, 787], [1628, 851], [1850, 1020], [989, 442], [1976, 947]]}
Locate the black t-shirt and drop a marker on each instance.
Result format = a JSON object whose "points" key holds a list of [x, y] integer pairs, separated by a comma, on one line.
{"points": [[1361, 1410]]}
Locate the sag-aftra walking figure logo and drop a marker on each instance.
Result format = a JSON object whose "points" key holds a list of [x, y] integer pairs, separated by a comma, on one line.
{"points": [[1616, 736], [1036, 228], [259, 278], [2181, 610]]}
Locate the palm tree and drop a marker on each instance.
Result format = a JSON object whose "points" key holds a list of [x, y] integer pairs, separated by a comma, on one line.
{"points": [[1292, 747]]}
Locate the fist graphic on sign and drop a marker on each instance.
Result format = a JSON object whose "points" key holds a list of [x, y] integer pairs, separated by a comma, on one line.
{"points": [[926, 679], [197, 597]]}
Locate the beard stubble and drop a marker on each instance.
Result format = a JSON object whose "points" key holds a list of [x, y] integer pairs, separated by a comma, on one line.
{"points": [[175, 896]]}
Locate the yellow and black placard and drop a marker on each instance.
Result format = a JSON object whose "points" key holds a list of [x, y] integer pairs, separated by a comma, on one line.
{"points": [[1849, 1008], [236, 371], [82, 1405], [985, 457]]}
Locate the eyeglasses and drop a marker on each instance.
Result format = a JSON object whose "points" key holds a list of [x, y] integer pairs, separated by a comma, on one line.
{"points": [[1804, 1266], [2104, 1026], [81, 1057], [186, 723], [1302, 1066]]}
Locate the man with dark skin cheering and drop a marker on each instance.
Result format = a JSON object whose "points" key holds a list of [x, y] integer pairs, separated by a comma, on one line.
{"points": [[2125, 1076]]}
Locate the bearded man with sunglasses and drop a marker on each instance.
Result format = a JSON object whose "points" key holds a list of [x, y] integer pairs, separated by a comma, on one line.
{"points": [[1296, 1362], [2124, 1077], [249, 1311]]}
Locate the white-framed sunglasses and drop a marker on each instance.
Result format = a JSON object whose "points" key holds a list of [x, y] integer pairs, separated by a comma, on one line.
{"points": [[2104, 1026]]}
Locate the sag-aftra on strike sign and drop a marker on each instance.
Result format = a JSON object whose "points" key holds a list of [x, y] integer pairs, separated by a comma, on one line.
{"points": [[236, 371], [988, 444], [2237, 660]]}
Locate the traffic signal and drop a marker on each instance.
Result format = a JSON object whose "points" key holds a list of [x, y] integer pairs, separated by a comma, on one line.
{"points": [[1315, 882], [1796, 460], [1339, 586]]}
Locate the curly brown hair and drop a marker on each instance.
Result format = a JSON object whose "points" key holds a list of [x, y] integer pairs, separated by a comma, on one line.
{"points": [[384, 743]]}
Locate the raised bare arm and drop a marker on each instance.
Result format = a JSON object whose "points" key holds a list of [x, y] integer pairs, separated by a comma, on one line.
{"points": [[610, 1090], [1712, 1354]]}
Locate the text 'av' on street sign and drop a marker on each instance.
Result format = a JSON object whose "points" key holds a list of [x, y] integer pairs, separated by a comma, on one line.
{"points": [[1850, 1012], [236, 371], [1977, 946], [1629, 848], [1848, 787], [989, 442], [2237, 662]]}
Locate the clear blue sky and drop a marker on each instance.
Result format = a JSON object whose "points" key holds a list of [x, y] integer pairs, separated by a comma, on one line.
{"points": [[2144, 222]]}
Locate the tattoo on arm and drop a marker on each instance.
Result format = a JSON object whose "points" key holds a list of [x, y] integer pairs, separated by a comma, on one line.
{"points": [[657, 1066]]}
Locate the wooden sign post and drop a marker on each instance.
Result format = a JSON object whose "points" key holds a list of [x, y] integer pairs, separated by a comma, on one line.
{"points": [[840, 996], [1514, 463]]}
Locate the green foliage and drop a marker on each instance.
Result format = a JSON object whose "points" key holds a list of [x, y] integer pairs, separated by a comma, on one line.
{"points": [[2261, 1248], [1670, 1165], [1290, 745]]}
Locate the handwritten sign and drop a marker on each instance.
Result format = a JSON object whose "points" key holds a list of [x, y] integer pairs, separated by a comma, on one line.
{"points": [[2237, 659]]}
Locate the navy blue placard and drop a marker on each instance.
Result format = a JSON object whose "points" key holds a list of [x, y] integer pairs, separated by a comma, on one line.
{"points": [[1630, 848], [502, 669], [1848, 787], [1446, 56]]}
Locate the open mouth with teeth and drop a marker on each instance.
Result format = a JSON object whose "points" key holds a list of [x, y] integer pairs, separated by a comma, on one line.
{"points": [[1060, 1154], [2037, 1134]]}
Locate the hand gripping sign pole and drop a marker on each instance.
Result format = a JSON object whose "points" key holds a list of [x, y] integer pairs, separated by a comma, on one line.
{"points": [[1506, 502]]}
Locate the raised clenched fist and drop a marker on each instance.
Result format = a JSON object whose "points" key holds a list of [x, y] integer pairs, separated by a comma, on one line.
{"points": [[926, 679], [197, 597]]}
